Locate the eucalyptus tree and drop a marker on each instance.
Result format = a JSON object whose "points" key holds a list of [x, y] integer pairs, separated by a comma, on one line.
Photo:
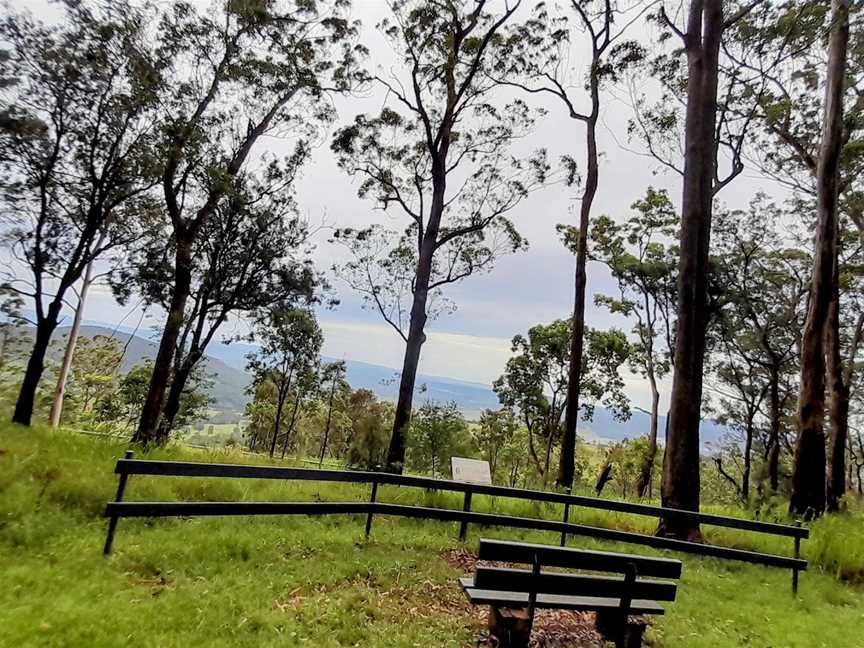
{"points": [[334, 374], [228, 78], [76, 119], [438, 155], [640, 255], [290, 345], [438, 432], [808, 478], [693, 71], [494, 434], [539, 57], [534, 382], [252, 254], [811, 117]]}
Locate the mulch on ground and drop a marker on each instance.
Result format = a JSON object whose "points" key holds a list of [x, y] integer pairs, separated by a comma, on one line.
{"points": [[552, 628]]}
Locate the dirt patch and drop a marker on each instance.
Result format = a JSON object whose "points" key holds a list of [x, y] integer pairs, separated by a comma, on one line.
{"points": [[552, 629]]}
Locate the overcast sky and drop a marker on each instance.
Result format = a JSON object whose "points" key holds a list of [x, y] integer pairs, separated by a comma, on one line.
{"points": [[532, 287]]}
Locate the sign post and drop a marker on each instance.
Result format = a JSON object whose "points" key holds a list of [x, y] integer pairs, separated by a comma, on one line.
{"points": [[472, 471]]}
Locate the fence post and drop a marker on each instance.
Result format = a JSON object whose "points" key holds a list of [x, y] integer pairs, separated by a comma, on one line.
{"points": [[567, 490], [466, 506], [797, 555], [112, 522], [371, 501]]}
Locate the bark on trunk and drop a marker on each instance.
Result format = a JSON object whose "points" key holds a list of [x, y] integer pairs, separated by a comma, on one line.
{"points": [[838, 410], [291, 425], [643, 482], [327, 426], [681, 484], [402, 417], [280, 404], [808, 477], [36, 365], [577, 333], [416, 332], [284, 388], [748, 461], [69, 352], [175, 393], [149, 429], [774, 432]]}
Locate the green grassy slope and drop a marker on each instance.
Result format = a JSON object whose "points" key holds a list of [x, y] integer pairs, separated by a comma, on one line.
{"points": [[314, 582]]}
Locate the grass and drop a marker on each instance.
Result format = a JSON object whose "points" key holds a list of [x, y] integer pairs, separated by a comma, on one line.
{"points": [[313, 581]]}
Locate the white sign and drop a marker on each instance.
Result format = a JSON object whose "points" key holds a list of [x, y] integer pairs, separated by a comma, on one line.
{"points": [[474, 471]]}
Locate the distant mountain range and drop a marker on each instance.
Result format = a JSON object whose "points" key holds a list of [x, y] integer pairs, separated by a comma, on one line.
{"points": [[226, 364]]}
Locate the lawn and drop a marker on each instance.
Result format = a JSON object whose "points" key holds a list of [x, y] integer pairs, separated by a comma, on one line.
{"points": [[316, 582]]}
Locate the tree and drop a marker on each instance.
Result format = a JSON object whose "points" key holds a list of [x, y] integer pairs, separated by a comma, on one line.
{"points": [[808, 478], [371, 421], [793, 118], [76, 115], [704, 138], [536, 58], [290, 343], [494, 435], [227, 80], [438, 432], [640, 257], [760, 277], [334, 374], [252, 254], [437, 153], [120, 407], [534, 383], [624, 460]]}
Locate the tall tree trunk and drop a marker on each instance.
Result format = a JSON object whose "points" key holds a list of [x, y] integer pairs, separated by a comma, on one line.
{"points": [[416, 329], [149, 429], [838, 393], [643, 482], [291, 424], [402, 417], [284, 388], [69, 353], [839, 388], [680, 487], [577, 333], [327, 426], [36, 364], [175, 393], [808, 477], [773, 453], [277, 423], [748, 459]]}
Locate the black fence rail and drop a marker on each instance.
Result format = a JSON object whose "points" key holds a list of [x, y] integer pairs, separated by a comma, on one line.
{"points": [[130, 466]]}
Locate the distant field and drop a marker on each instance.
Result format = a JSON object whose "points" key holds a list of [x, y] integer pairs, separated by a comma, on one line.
{"points": [[315, 582]]}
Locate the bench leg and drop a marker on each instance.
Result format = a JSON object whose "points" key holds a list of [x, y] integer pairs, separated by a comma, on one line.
{"points": [[625, 633], [511, 627]]}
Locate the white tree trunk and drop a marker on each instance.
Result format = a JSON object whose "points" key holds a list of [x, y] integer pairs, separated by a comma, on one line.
{"points": [[69, 353]]}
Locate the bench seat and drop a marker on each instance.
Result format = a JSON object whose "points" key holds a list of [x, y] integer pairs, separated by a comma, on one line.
{"points": [[554, 601]]}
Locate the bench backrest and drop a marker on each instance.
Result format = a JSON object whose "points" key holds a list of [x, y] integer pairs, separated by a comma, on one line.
{"points": [[523, 580]]}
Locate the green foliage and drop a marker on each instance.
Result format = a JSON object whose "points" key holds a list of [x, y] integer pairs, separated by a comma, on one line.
{"points": [[534, 383], [494, 436], [438, 432], [437, 123], [120, 409], [288, 359], [370, 430]]}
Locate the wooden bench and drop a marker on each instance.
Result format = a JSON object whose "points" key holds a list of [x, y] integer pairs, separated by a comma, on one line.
{"points": [[514, 594]]}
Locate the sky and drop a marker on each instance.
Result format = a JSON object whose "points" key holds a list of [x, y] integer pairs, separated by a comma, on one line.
{"points": [[532, 287]]}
